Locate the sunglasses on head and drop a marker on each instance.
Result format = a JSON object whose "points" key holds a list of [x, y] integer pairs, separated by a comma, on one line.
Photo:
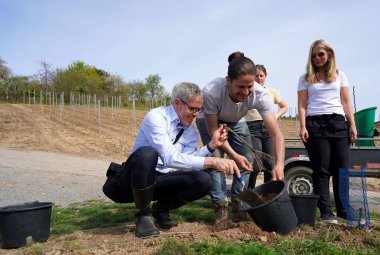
{"points": [[319, 54]]}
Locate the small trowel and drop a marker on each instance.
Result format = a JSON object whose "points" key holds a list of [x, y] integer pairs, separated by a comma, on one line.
{"points": [[241, 181]]}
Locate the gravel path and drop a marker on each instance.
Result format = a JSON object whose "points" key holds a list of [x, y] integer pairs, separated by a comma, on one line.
{"points": [[27, 176]]}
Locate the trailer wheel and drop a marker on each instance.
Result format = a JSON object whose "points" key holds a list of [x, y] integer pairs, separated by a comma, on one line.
{"points": [[299, 180]]}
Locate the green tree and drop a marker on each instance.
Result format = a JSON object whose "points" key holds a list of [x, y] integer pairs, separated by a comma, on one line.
{"points": [[139, 89], [152, 83], [162, 95], [18, 84], [5, 74], [114, 84], [66, 81], [78, 77], [83, 76]]}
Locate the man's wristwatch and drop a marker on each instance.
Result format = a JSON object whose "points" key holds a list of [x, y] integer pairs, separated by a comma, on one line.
{"points": [[209, 148]]}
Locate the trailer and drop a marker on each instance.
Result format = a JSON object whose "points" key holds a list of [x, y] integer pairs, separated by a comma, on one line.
{"points": [[298, 171]]}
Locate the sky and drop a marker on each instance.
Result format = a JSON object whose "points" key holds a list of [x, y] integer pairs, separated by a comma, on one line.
{"points": [[191, 40]]}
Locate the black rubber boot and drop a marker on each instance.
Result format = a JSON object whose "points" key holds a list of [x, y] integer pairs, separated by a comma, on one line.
{"points": [[161, 211], [144, 221]]}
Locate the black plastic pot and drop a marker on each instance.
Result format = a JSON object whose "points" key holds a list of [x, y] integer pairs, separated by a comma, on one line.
{"points": [[276, 214], [22, 222], [305, 207]]}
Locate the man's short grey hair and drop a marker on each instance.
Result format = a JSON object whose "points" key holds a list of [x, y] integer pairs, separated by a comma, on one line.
{"points": [[186, 90]]}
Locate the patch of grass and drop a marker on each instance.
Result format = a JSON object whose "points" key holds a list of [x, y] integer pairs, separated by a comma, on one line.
{"points": [[74, 245], [328, 235], [91, 214], [373, 240], [199, 211], [94, 214], [375, 216], [307, 247], [138, 107], [232, 248], [174, 247], [284, 247], [34, 250]]}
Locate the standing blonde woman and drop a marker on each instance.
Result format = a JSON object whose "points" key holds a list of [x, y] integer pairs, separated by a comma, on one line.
{"points": [[327, 124]]}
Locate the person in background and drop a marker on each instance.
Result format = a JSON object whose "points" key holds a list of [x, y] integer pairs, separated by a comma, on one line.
{"points": [[226, 101], [259, 135], [327, 124], [165, 165]]}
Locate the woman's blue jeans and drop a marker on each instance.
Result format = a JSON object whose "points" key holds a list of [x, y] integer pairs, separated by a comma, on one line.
{"points": [[218, 189]]}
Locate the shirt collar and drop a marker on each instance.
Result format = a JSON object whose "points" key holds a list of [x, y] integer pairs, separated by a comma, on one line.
{"points": [[174, 118]]}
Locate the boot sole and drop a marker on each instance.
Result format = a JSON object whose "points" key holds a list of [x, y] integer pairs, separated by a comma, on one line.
{"points": [[148, 236], [166, 227]]}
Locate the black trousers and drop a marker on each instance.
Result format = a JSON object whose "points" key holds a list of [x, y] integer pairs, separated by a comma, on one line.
{"points": [[140, 173], [328, 147], [261, 141]]}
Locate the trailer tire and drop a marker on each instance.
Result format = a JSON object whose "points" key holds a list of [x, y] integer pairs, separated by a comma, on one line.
{"points": [[299, 180]]}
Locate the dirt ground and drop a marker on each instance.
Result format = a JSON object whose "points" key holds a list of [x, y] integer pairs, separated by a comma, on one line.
{"points": [[75, 130]]}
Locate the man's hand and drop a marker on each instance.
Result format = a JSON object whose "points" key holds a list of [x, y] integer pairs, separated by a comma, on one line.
{"points": [[226, 166], [219, 137], [277, 173], [242, 162]]}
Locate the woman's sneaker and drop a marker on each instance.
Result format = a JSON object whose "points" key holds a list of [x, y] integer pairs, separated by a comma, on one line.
{"points": [[329, 218], [357, 223]]}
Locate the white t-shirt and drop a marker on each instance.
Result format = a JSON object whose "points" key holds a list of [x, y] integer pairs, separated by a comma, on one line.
{"points": [[218, 101], [324, 98]]}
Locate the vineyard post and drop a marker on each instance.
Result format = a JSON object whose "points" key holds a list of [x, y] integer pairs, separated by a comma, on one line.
{"points": [[134, 113], [100, 131]]}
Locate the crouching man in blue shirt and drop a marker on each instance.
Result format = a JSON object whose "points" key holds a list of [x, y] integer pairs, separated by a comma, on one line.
{"points": [[165, 165]]}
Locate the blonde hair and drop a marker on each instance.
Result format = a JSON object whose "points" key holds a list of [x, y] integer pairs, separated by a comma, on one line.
{"points": [[330, 70]]}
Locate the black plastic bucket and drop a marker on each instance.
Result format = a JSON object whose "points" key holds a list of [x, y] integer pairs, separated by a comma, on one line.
{"points": [[305, 207], [22, 222], [276, 214]]}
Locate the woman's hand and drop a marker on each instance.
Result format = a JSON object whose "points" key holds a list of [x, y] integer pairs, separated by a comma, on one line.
{"points": [[353, 134], [304, 134]]}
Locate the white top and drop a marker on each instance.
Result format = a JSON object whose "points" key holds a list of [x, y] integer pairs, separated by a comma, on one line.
{"points": [[218, 101], [324, 98], [159, 129], [253, 115]]}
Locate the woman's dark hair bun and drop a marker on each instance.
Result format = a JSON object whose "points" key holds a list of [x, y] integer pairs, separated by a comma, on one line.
{"points": [[235, 55]]}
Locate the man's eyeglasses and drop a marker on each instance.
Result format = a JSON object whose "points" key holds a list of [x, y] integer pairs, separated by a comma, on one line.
{"points": [[319, 54], [193, 110]]}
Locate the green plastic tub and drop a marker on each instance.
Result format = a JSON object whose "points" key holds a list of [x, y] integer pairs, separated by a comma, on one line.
{"points": [[365, 124]]}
